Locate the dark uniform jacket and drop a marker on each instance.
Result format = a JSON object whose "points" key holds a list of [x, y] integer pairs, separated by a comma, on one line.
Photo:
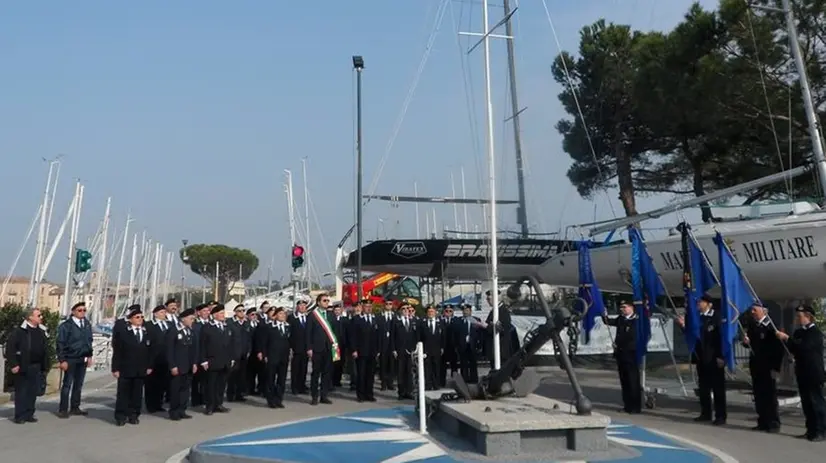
{"points": [[73, 342], [182, 350], [26, 346], [767, 351], [806, 344], [709, 347], [316, 336], [241, 340], [276, 345], [625, 341], [130, 355], [215, 346], [405, 339], [365, 338], [158, 341], [465, 337], [434, 341]]}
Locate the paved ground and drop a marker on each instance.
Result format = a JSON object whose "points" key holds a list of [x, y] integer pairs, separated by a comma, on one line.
{"points": [[95, 439]]}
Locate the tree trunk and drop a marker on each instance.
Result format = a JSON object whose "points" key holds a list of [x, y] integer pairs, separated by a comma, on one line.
{"points": [[625, 181], [697, 181]]}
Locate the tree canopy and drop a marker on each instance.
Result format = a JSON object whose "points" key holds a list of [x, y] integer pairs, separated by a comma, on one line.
{"points": [[713, 103], [233, 264]]}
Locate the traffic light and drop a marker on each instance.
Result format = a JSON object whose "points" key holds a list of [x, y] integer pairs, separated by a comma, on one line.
{"points": [[298, 257], [83, 261]]}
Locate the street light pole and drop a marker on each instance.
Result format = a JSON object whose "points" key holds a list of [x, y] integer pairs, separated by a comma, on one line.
{"points": [[185, 260], [358, 65]]}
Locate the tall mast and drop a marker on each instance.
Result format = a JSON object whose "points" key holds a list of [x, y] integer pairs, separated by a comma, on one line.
{"points": [[306, 221], [291, 214], [811, 115], [522, 212], [121, 263], [464, 206], [416, 194], [455, 208]]}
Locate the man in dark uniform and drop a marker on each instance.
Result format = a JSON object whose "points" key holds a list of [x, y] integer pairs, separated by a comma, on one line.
{"points": [[405, 337], [467, 336], [131, 364], [503, 329], [241, 345], [259, 339], [202, 312], [27, 359], [365, 348], [215, 348], [386, 362], [765, 362], [708, 357], [275, 354], [806, 345], [182, 359], [254, 366], [339, 322], [351, 336], [450, 359], [625, 353], [157, 383], [74, 355], [323, 349], [432, 333], [298, 343]]}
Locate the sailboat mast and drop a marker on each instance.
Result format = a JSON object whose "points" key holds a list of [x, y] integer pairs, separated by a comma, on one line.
{"points": [[522, 212], [455, 207], [811, 115], [306, 220], [494, 255], [464, 206], [416, 194]]}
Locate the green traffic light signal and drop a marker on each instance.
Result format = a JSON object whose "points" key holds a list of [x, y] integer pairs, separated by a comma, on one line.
{"points": [[83, 261]]}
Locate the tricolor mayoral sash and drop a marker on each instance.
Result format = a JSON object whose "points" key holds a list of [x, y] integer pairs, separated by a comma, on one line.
{"points": [[322, 320]]}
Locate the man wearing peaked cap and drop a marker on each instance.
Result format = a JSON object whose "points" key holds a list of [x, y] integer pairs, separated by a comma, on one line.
{"points": [[806, 345], [216, 349], [130, 366], [199, 378], [74, 355], [182, 359], [241, 344], [157, 384], [255, 369]]}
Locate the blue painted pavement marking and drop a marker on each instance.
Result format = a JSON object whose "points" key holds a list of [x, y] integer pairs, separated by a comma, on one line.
{"points": [[383, 436]]}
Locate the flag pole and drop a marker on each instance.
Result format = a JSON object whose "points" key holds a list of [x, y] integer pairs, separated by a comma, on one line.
{"points": [[751, 290], [716, 279]]}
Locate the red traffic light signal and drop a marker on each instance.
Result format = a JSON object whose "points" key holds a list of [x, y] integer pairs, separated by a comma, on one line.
{"points": [[298, 251]]}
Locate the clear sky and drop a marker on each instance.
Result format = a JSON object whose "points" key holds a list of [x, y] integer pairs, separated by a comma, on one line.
{"points": [[186, 113]]}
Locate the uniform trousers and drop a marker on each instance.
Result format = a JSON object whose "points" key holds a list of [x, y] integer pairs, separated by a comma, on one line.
{"points": [[814, 408], [26, 390], [129, 397], [321, 380], [629, 376], [236, 380], [275, 382], [216, 384], [712, 379], [179, 391], [764, 388], [365, 375], [72, 385]]}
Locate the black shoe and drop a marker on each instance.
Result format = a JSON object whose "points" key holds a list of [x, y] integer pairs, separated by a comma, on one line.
{"points": [[185, 416], [314, 401], [241, 399], [208, 412], [359, 400], [222, 409], [326, 401], [383, 388], [78, 412], [279, 405], [63, 415], [773, 429], [719, 422], [120, 423], [31, 419], [18, 421], [174, 417], [133, 421], [702, 419], [271, 405], [803, 436], [371, 399], [759, 427], [391, 388], [818, 438]]}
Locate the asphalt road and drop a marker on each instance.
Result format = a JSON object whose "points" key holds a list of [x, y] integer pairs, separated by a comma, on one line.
{"points": [[94, 439]]}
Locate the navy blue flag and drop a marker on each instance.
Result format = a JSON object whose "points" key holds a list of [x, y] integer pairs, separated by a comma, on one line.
{"points": [[737, 298], [590, 304], [698, 279], [647, 289]]}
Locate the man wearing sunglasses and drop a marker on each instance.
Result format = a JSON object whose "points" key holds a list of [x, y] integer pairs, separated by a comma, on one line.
{"points": [[74, 355]]}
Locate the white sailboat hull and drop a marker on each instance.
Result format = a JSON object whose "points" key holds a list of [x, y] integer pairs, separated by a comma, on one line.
{"points": [[783, 258]]}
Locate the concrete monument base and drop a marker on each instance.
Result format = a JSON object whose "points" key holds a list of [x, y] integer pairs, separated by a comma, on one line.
{"points": [[520, 426]]}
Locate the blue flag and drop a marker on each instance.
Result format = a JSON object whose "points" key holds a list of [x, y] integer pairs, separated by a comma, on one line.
{"points": [[737, 298], [698, 279], [590, 305], [647, 289]]}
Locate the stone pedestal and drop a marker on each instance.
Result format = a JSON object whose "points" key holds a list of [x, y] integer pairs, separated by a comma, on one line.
{"points": [[521, 426]]}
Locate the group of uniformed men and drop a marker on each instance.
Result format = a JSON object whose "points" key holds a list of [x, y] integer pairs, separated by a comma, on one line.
{"points": [[768, 347], [197, 356]]}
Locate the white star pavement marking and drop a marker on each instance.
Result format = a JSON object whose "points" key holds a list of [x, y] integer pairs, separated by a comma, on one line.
{"points": [[398, 432], [613, 436]]}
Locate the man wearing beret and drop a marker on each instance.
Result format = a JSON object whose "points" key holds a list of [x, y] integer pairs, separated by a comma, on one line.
{"points": [[202, 313], [74, 355], [254, 373], [806, 345], [236, 380], [182, 358], [157, 383], [216, 350], [130, 366]]}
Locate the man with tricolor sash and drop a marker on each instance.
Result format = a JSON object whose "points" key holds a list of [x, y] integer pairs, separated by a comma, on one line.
{"points": [[322, 349]]}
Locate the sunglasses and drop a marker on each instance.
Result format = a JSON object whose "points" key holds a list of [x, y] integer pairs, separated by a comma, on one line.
{"points": [[80, 310], [325, 300]]}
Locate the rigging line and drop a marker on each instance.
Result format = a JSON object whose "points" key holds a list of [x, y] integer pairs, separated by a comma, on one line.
{"points": [[576, 101], [320, 234], [467, 86], [766, 97], [409, 98]]}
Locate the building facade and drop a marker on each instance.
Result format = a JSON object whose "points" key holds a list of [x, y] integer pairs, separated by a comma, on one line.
{"points": [[50, 295]]}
